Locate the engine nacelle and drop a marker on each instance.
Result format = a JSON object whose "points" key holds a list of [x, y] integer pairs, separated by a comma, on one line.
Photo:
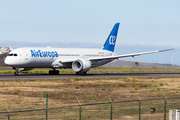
{"points": [[22, 69], [81, 65]]}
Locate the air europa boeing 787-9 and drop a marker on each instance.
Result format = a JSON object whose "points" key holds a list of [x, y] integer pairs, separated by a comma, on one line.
{"points": [[79, 59]]}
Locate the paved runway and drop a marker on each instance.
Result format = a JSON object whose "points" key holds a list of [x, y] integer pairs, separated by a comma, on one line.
{"points": [[23, 76]]}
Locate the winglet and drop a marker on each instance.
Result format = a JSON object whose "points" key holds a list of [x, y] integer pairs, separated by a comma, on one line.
{"points": [[166, 50]]}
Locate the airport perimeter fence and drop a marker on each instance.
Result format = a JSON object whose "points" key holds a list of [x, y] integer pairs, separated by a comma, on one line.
{"points": [[146, 109]]}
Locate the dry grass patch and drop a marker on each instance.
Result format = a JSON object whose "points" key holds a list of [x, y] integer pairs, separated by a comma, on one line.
{"points": [[31, 94]]}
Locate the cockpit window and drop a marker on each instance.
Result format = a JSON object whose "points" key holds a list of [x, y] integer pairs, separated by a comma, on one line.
{"points": [[12, 54]]}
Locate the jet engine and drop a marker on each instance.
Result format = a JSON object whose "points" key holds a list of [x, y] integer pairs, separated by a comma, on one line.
{"points": [[81, 65], [22, 69]]}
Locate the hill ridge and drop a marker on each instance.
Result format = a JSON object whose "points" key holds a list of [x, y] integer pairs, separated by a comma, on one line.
{"points": [[131, 64]]}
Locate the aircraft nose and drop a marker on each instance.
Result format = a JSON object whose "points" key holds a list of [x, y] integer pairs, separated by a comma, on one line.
{"points": [[7, 61]]}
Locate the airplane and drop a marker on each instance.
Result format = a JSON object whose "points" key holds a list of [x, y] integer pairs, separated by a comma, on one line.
{"points": [[80, 60]]}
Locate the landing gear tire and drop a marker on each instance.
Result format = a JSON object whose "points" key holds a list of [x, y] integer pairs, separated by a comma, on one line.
{"points": [[16, 73], [80, 73], [53, 72], [57, 72], [50, 72]]}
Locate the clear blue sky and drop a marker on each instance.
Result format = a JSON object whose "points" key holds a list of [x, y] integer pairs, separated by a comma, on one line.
{"points": [[144, 25]]}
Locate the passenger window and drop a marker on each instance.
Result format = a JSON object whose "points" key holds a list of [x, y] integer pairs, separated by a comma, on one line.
{"points": [[15, 54]]}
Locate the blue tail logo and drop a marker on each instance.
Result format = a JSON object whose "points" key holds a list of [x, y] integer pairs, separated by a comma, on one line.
{"points": [[111, 40]]}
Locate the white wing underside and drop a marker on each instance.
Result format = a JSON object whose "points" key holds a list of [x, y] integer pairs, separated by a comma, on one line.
{"points": [[114, 57]]}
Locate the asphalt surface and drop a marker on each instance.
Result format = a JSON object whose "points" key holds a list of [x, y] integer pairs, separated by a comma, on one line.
{"points": [[23, 76]]}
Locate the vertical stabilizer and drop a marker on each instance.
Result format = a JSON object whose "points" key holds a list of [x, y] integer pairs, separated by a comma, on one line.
{"points": [[111, 40]]}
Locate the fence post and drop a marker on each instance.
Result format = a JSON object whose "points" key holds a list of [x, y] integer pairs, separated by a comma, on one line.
{"points": [[165, 109], [111, 112], [80, 113], [79, 108], [139, 109], [46, 106], [8, 113], [111, 108]]}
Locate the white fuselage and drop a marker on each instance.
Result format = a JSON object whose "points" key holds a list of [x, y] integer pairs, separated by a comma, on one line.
{"points": [[45, 57]]}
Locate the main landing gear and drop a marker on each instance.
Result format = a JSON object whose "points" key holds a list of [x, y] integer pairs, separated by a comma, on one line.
{"points": [[53, 72], [80, 73]]}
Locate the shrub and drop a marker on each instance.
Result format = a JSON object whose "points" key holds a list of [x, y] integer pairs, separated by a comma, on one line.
{"points": [[17, 91], [155, 84], [158, 89], [132, 91], [91, 97], [145, 84], [81, 84], [122, 84], [133, 84], [161, 84], [77, 87], [136, 88], [151, 90], [117, 85]]}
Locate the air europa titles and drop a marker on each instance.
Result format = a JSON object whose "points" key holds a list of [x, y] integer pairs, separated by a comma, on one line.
{"points": [[40, 53]]}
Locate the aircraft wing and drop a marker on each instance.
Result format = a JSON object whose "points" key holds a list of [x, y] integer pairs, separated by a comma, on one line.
{"points": [[126, 55], [112, 57]]}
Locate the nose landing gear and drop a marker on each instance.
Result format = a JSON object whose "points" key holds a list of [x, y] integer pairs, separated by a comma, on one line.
{"points": [[16, 73], [54, 72]]}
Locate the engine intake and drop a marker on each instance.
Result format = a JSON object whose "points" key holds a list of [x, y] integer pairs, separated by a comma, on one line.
{"points": [[81, 65]]}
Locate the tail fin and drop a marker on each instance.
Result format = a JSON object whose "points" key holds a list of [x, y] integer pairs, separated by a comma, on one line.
{"points": [[111, 40]]}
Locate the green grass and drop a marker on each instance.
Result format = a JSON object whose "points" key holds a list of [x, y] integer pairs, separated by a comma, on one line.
{"points": [[152, 90], [97, 70], [132, 91], [92, 97], [145, 84]]}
